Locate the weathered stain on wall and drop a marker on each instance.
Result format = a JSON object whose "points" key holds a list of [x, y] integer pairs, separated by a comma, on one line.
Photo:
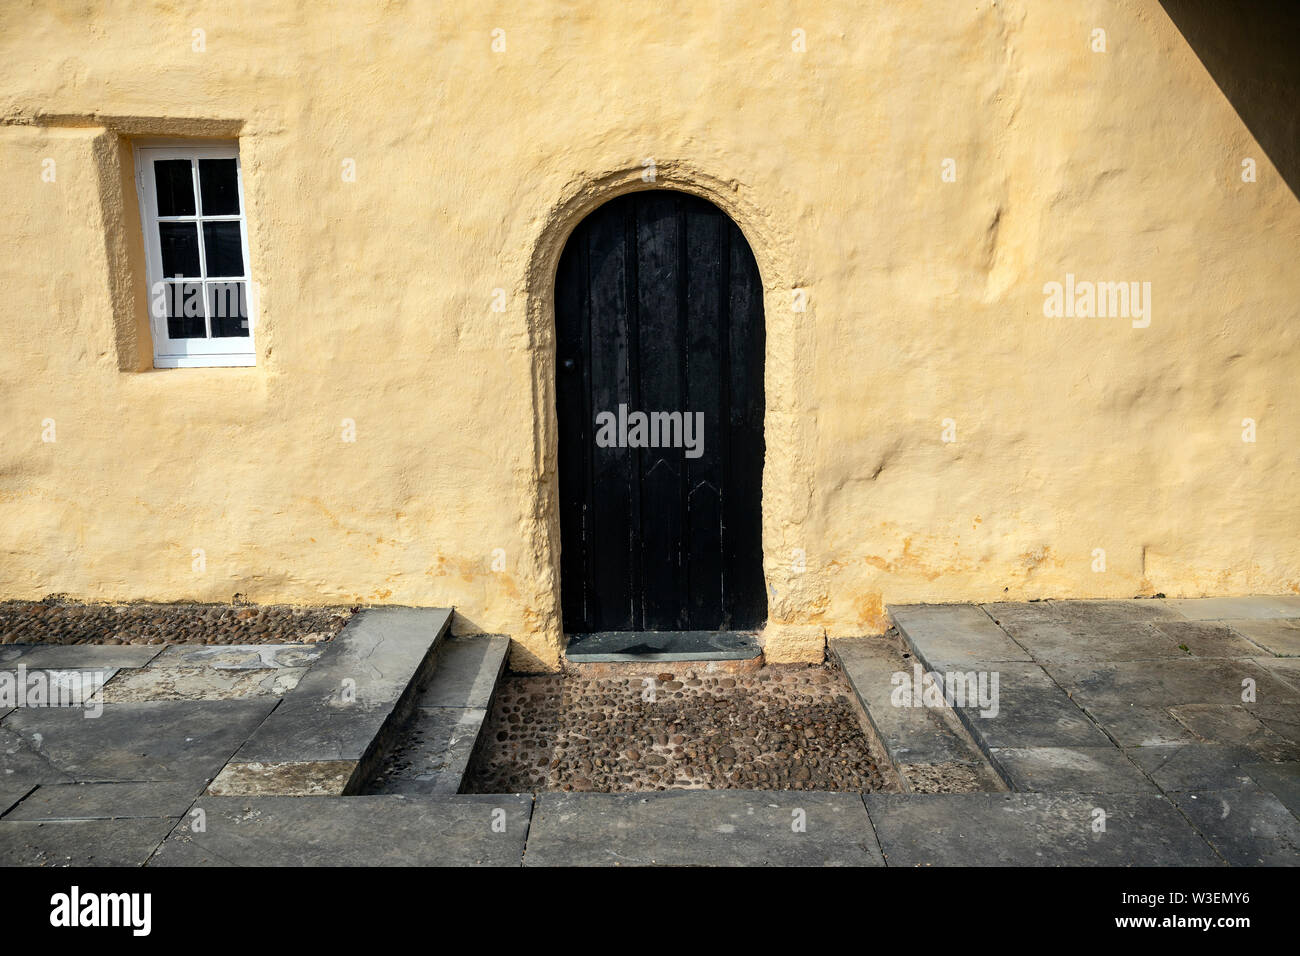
{"points": [[924, 300]]}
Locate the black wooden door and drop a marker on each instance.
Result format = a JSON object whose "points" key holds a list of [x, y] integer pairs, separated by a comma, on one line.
{"points": [[659, 309]]}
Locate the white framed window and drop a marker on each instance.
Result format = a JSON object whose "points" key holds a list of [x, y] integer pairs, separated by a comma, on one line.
{"points": [[201, 308]]}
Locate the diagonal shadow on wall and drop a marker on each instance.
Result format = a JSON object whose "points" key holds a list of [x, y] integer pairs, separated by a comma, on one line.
{"points": [[1252, 50]]}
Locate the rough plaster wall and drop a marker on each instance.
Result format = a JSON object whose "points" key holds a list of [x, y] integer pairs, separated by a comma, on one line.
{"points": [[924, 300]]}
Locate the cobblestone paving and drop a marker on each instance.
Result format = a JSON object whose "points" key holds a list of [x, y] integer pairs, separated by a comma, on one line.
{"points": [[68, 622], [782, 728]]}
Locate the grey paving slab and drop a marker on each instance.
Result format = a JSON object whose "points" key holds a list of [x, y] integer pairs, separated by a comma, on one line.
{"points": [[611, 646], [1247, 827], [23, 765], [1008, 614], [178, 741], [1194, 766], [311, 735], [1133, 700], [1237, 608], [911, 735], [104, 801], [465, 671], [46, 687], [241, 656], [434, 751], [1285, 669], [1032, 711], [1271, 708], [1206, 638], [1134, 725], [1138, 611], [1169, 683], [1018, 617], [1071, 769], [13, 789], [81, 843], [1060, 642], [164, 682], [1288, 727], [701, 828], [945, 635], [1035, 829], [1237, 727], [467, 830], [1079, 631], [1081, 615], [78, 656], [1280, 779], [1275, 636]]}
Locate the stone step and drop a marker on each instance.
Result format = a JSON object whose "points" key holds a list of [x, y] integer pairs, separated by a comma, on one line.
{"points": [[465, 672], [432, 750], [328, 732], [657, 646], [930, 749]]}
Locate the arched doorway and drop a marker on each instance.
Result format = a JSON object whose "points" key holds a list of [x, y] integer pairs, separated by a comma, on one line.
{"points": [[659, 398]]}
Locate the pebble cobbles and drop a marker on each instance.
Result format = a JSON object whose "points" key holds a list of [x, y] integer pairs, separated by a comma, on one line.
{"points": [[67, 622], [782, 728]]}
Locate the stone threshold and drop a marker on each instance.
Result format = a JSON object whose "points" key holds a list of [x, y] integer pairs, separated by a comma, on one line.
{"points": [[654, 646]]}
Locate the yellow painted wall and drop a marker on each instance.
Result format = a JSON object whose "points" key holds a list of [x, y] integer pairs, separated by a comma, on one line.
{"points": [[924, 299]]}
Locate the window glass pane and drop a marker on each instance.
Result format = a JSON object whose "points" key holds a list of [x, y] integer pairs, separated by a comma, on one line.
{"points": [[185, 310], [219, 187], [180, 249], [223, 249], [175, 183], [228, 308]]}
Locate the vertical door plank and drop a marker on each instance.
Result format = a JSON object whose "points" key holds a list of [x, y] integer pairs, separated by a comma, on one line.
{"points": [[571, 398], [613, 535], [705, 239], [660, 363], [742, 504]]}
